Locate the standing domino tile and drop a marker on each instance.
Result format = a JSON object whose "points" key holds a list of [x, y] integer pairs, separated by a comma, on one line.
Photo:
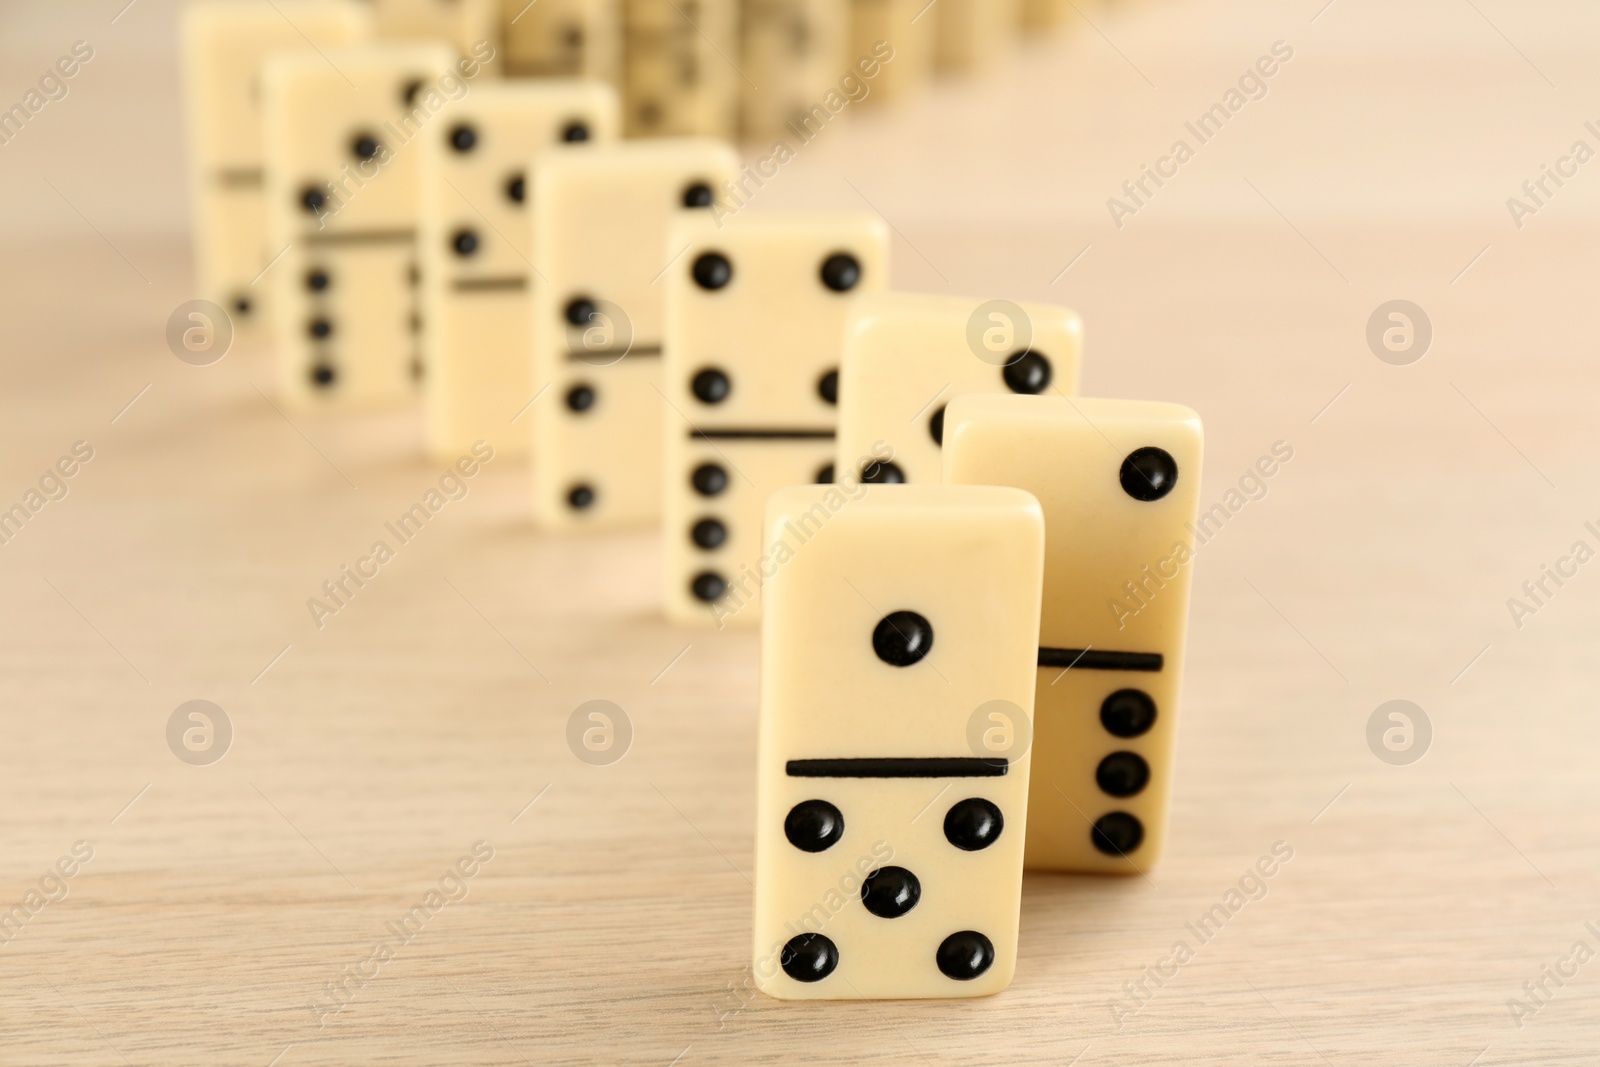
{"points": [[225, 43], [472, 27], [342, 200], [799, 47], [561, 38], [678, 77], [901, 623], [974, 34], [1119, 481], [900, 33], [477, 254], [600, 222], [755, 312], [906, 355]]}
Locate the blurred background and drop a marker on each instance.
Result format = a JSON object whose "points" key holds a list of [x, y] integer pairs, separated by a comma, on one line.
{"points": [[1365, 116]]}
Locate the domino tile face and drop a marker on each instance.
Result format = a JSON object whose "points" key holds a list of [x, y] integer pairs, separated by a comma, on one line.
{"points": [[906, 355], [1119, 482], [477, 251], [601, 218], [756, 312], [900, 624], [343, 204], [224, 47]]}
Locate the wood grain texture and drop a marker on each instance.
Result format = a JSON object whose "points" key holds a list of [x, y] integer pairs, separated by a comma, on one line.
{"points": [[613, 921]]}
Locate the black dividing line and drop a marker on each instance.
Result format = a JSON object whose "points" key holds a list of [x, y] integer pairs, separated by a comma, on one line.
{"points": [[899, 767], [488, 285], [1096, 660], [245, 176], [747, 434], [586, 354], [362, 237]]}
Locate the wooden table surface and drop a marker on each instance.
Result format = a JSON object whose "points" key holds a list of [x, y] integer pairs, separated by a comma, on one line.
{"points": [[370, 756]]}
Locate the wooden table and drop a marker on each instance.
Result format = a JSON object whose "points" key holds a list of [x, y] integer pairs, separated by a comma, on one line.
{"points": [[611, 925]]}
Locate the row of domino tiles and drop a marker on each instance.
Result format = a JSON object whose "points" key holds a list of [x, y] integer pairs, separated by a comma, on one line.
{"points": [[682, 362], [764, 69], [711, 66]]}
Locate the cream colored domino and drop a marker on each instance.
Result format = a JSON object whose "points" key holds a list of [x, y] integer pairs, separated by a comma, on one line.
{"points": [[472, 27], [342, 128], [901, 625], [561, 38], [974, 34], [1119, 481], [225, 43], [755, 312], [678, 74], [906, 355], [800, 49], [899, 33], [600, 220], [477, 251]]}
